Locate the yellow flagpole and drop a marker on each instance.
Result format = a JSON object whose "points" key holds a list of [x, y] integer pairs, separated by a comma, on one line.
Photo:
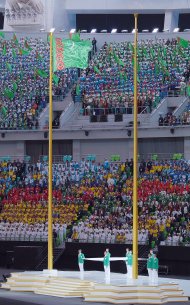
{"points": [[135, 161], [50, 226]]}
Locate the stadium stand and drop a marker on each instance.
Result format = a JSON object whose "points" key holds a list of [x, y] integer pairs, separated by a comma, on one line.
{"points": [[24, 66], [94, 201], [106, 86]]}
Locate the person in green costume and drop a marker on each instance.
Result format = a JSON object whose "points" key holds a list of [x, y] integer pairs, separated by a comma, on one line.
{"points": [[81, 259], [130, 264], [155, 266], [149, 266], [106, 262]]}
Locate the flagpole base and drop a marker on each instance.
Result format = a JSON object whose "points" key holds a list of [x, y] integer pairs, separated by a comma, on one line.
{"points": [[52, 272]]}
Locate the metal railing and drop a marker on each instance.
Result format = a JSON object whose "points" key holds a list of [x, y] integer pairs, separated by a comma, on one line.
{"points": [[114, 110], [94, 241]]}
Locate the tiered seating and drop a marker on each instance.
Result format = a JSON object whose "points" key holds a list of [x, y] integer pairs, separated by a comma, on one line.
{"points": [[106, 86], [95, 200], [163, 205], [171, 120], [185, 117], [24, 80]]}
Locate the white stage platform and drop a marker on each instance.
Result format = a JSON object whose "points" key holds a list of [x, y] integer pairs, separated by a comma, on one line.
{"points": [[93, 287]]}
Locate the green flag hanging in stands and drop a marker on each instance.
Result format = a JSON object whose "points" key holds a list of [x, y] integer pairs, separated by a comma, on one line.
{"points": [[131, 47], [15, 39], [4, 50], [56, 79], [96, 70], [75, 36], [157, 69], [144, 51], [188, 90], [42, 73], [38, 56], [23, 52], [27, 45], [70, 54], [118, 60], [8, 93], [13, 53], [77, 89], [123, 75], [9, 67], [152, 52], [15, 87], [165, 51], [116, 57], [183, 43], [3, 110], [2, 35]]}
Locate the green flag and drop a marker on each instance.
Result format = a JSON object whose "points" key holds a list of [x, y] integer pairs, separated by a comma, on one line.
{"points": [[15, 87], [122, 75], [2, 35], [8, 93], [13, 53], [9, 67], [157, 69], [96, 70], [121, 63], [27, 45], [56, 79], [38, 56], [152, 52], [23, 52], [4, 50], [42, 73], [75, 36], [77, 89], [144, 50], [188, 90], [70, 54], [183, 43], [3, 110], [131, 47], [165, 51], [116, 57], [15, 39]]}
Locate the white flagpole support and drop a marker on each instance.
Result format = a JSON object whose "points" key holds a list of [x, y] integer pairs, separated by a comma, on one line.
{"points": [[50, 272]]}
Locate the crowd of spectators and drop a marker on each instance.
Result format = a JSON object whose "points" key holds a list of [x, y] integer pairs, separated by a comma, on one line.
{"points": [[94, 201], [24, 82], [171, 120], [106, 86]]}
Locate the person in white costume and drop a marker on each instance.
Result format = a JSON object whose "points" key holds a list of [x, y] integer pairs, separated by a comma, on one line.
{"points": [[126, 258]]}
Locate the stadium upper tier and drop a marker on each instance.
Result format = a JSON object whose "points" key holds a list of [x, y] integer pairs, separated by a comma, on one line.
{"points": [[24, 82], [107, 84], [95, 201]]}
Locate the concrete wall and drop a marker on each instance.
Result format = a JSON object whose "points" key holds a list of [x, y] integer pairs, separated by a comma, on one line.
{"points": [[123, 6], [12, 148], [103, 148]]}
